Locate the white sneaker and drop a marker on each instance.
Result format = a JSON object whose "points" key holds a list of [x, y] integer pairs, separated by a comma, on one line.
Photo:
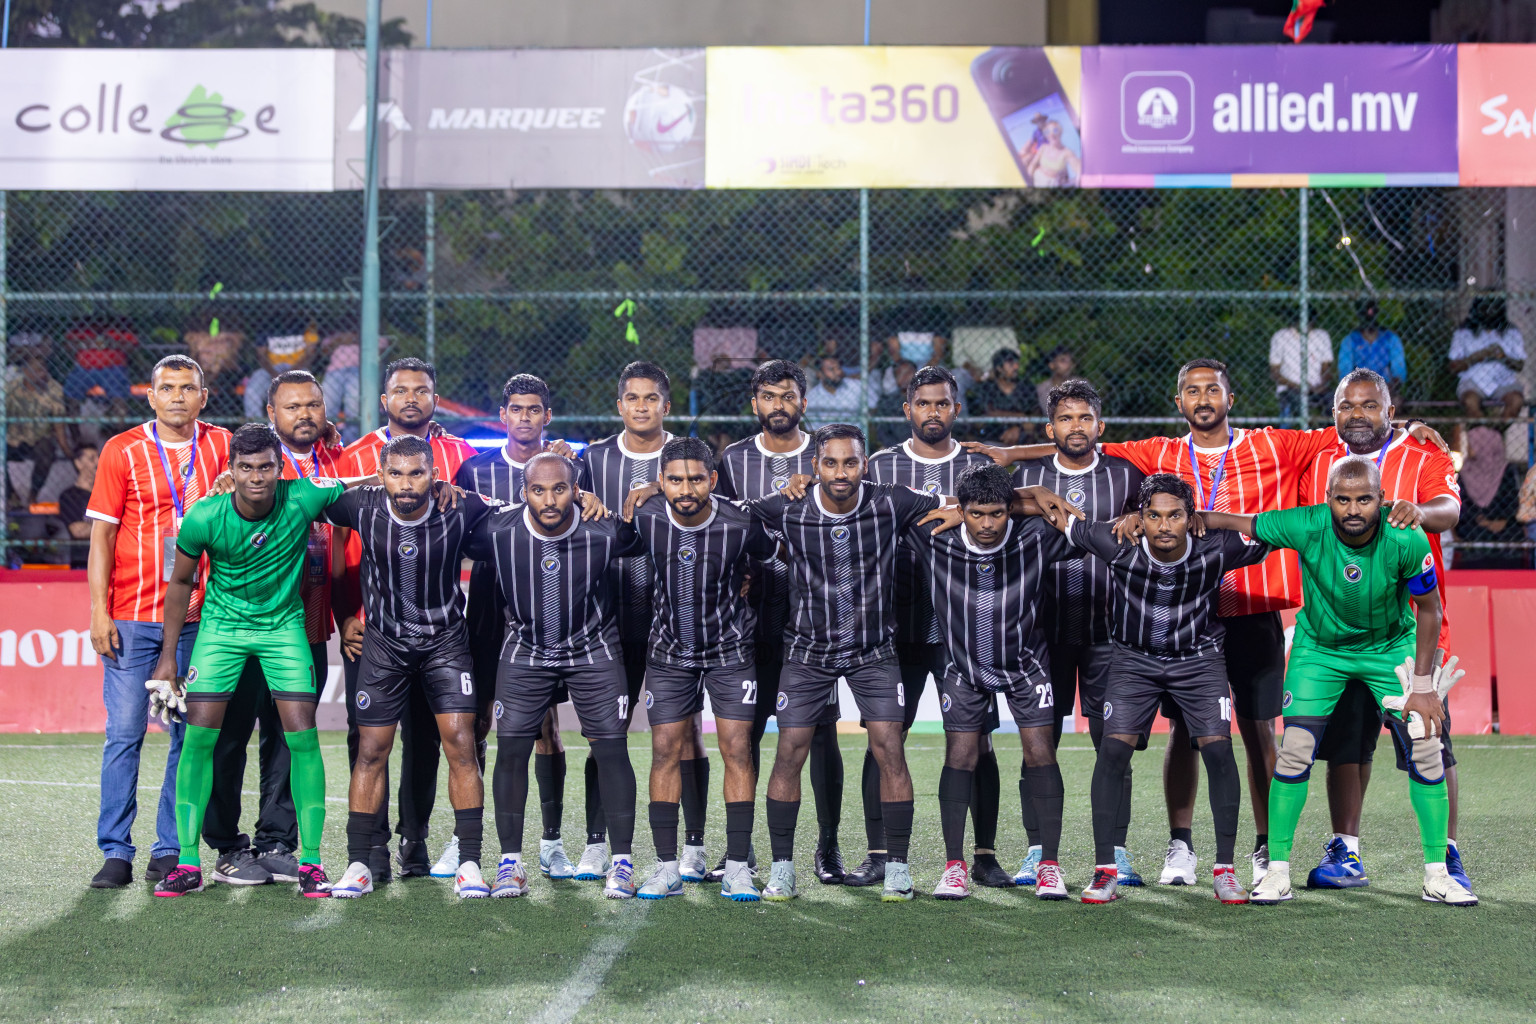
{"points": [[1440, 887], [664, 882], [358, 881], [737, 884], [553, 861], [693, 865], [448, 864], [1228, 888], [1179, 864], [469, 883], [511, 878], [1105, 887], [594, 863], [1049, 885], [1260, 861], [1275, 886], [781, 882], [898, 882], [621, 879], [1026, 873], [953, 883]]}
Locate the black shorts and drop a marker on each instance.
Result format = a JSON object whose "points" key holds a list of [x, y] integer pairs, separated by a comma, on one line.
{"points": [[769, 664], [917, 662], [636, 655], [1353, 728], [967, 709], [806, 690], [675, 694], [1083, 668], [1138, 683], [525, 693], [1255, 652], [388, 669], [1400, 741]]}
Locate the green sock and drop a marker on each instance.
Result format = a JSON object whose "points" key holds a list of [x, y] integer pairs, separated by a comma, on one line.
{"points": [[306, 773], [194, 781], [1286, 799], [1432, 806]]}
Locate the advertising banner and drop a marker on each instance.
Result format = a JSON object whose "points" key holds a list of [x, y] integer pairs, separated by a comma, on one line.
{"points": [[1496, 97], [175, 120], [894, 117], [1269, 115], [474, 119]]}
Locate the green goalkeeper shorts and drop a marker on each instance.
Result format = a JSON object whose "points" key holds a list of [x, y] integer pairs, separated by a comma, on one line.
{"points": [[1314, 678], [219, 658]]}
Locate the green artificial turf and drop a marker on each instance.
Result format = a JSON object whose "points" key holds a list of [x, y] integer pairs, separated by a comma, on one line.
{"points": [[413, 952]]}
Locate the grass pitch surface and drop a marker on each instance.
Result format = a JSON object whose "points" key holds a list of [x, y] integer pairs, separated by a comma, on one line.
{"points": [[412, 952]]}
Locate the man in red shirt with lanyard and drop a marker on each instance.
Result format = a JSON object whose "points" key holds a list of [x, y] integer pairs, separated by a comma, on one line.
{"points": [[146, 478], [1419, 481], [296, 408], [408, 403]]}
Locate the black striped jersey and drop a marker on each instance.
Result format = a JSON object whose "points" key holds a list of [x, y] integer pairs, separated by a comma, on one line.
{"points": [[493, 474], [1077, 590], [611, 471], [842, 571], [410, 570], [915, 621], [558, 600], [986, 600], [702, 620], [748, 470], [1167, 609]]}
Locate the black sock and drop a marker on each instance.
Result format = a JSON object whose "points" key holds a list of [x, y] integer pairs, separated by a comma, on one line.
{"points": [[469, 826], [361, 832], [1259, 840], [1187, 835], [1048, 794], [1027, 810], [827, 783], [597, 825], [549, 770], [1225, 795], [738, 829], [782, 815], [664, 829], [1123, 819], [1108, 776], [954, 801], [874, 828], [509, 788], [986, 800], [695, 798], [898, 827], [617, 783]]}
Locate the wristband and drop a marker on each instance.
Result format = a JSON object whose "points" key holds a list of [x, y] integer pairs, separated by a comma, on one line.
{"points": [[1423, 684]]}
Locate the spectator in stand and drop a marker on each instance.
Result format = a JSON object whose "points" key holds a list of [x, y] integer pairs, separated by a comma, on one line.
{"points": [[32, 447], [219, 356], [891, 403], [1287, 366], [1490, 493], [834, 398], [101, 366], [1489, 356], [280, 354], [1003, 394], [73, 500], [340, 383], [1063, 367], [1527, 513], [1372, 347]]}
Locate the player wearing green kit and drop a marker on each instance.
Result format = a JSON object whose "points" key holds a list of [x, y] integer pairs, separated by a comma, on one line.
{"points": [[256, 541], [1371, 603]]}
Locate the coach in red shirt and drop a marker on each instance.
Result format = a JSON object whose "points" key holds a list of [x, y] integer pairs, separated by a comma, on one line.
{"points": [[146, 479]]}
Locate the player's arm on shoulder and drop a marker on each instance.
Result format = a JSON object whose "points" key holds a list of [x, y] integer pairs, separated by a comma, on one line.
{"points": [[1143, 454], [1007, 456], [344, 510], [769, 511], [1228, 521], [1281, 528], [1054, 545], [1097, 538], [760, 543], [912, 506]]}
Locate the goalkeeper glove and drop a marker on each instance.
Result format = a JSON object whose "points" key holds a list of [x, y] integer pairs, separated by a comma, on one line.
{"points": [[1444, 677], [167, 701]]}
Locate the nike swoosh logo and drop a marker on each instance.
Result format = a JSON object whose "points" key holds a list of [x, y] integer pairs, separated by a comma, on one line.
{"points": [[666, 127]]}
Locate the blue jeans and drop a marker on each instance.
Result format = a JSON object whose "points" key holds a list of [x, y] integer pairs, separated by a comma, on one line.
{"points": [[122, 690], [113, 380]]}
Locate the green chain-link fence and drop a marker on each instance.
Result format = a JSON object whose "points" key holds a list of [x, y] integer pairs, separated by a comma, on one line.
{"points": [[485, 284]]}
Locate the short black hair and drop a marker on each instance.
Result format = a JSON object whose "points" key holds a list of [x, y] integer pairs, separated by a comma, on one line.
{"points": [[570, 467], [289, 377], [413, 365], [688, 449], [1059, 350], [929, 375], [1362, 375], [406, 446], [775, 371], [1073, 391], [642, 370], [984, 485], [524, 384], [1004, 355], [1166, 483], [178, 362], [1206, 364], [839, 432], [253, 438]]}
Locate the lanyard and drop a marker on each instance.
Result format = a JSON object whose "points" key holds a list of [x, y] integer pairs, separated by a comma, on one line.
{"points": [[1221, 471], [298, 467], [1381, 456], [177, 499]]}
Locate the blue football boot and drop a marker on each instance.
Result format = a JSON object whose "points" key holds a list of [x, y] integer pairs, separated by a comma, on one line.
{"points": [[1339, 868]]}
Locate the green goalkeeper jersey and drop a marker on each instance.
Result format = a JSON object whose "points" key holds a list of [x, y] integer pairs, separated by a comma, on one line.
{"points": [[255, 566], [1355, 599]]}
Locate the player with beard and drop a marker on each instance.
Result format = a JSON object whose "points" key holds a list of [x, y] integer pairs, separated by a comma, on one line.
{"points": [[1419, 482], [1075, 615], [415, 641], [930, 461], [759, 467]]}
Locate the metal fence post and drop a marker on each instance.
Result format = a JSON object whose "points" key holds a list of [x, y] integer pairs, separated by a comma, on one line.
{"points": [[5, 471], [368, 324], [864, 368], [1306, 347], [431, 258]]}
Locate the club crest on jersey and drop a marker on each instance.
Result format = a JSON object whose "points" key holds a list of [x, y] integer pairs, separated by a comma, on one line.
{"points": [[258, 540], [407, 549], [650, 700], [192, 674], [496, 709], [1109, 709], [782, 702], [551, 564], [931, 487], [945, 702], [780, 482], [1077, 495], [1352, 572], [839, 533], [985, 569], [363, 700], [686, 556], [1285, 701]]}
